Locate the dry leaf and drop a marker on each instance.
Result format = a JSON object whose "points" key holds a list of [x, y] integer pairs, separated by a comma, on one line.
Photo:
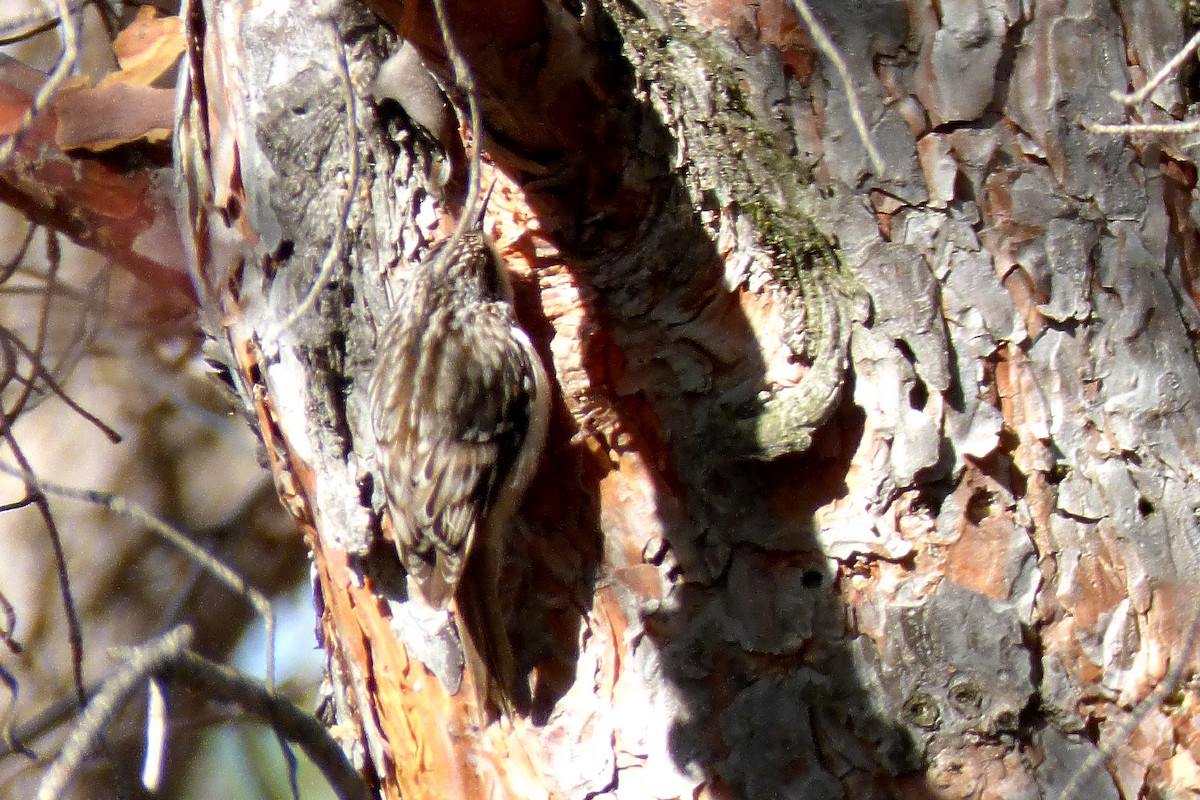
{"points": [[147, 48], [123, 107]]}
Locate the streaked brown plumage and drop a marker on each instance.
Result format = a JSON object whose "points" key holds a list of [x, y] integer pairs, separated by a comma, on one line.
{"points": [[459, 406]]}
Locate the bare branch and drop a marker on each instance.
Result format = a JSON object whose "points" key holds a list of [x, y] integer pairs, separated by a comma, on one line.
{"points": [[119, 505], [1160, 128], [41, 723], [223, 683], [11, 740], [54, 259], [1132, 99], [142, 663], [18, 257]]}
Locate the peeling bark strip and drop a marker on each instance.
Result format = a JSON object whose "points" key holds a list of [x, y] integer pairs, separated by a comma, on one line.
{"points": [[122, 213], [735, 577]]}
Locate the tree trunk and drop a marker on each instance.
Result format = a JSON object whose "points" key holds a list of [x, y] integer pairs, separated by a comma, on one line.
{"points": [[860, 483]]}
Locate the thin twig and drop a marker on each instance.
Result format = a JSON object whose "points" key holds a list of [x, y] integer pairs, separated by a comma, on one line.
{"points": [[18, 258], [54, 387], [63, 291], [156, 736], [62, 71], [8, 625], [1139, 97], [8, 365], [291, 762], [119, 505], [9, 615], [829, 49], [31, 22], [90, 318], [1184, 126], [44, 721], [74, 627], [333, 254], [1127, 128], [1168, 684], [54, 260], [7, 735], [27, 500]]}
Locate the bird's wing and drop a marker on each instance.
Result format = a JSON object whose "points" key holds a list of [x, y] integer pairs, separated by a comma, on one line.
{"points": [[450, 419]]}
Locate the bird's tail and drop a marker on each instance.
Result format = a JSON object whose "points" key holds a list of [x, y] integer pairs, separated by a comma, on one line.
{"points": [[486, 647]]}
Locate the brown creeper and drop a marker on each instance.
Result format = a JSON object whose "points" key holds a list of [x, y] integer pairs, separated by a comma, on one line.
{"points": [[459, 405]]}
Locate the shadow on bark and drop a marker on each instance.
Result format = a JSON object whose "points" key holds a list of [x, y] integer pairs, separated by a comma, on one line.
{"points": [[767, 694]]}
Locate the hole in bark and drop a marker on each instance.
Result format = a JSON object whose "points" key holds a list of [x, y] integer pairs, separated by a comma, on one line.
{"points": [[813, 579], [232, 210], [967, 698], [1145, 507], [366, 490], [922, 711], [979, 507], [1006, 721], [964, 190], [918, 396]]}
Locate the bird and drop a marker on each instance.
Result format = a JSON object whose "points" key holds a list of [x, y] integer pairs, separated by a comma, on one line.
{"points": [[459, 406]]}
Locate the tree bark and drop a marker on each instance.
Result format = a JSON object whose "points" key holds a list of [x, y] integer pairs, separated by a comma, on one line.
{"points": [[859, 485]]}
